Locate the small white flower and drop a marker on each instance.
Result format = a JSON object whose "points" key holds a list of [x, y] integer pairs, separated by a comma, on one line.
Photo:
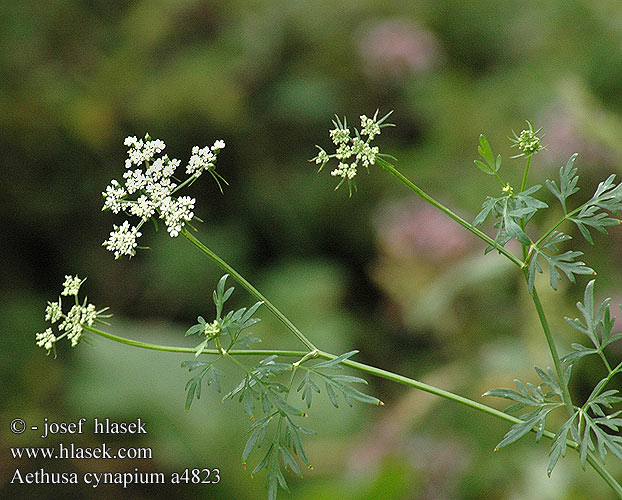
{"points": [[155, 147], [53, 311], [322, 157], [158, 191], [135, 180], [201, 159], [122, 240], [212, 329], [71, 286], [162, 168], [364, 152], [154, 172], [136, 157], [73, 324], [143, 207], [369, 127], [114, 195], [142, 150], [355, 148], [344, 151], [340, 135], [46, 339], [130, 141], [218, 145], [176, 213], [88, 315], [344, 171], [153, 186], [169, 168]]}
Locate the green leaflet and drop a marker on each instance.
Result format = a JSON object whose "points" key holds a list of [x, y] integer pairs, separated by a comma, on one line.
{"points": [[334, 383], [594, 426], [530, 396], [597, 325], [490, 165], [512, 211], [567, 182]]}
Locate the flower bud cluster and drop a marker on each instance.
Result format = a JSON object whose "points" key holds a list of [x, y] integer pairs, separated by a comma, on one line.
{"points": [[148, 190], [352, 151], [70, 325], [527, 142]]}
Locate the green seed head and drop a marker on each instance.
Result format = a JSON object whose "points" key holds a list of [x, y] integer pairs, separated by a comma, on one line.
{"points": [[212, 329], [527, 142]]}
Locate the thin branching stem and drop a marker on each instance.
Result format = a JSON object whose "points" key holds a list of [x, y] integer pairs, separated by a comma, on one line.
{"points": [[612, 373], [490, 241], [522, 188], [553, 350], [250, 288], [567, 399], [536, 300], [371, 370], [592, 460], [467, 225], [525, 174], [192, 350]]}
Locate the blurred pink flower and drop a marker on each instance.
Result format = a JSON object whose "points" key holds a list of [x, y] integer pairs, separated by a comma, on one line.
{"points": [[397, 47], [410, 228], [562, 137], [568, 131]]}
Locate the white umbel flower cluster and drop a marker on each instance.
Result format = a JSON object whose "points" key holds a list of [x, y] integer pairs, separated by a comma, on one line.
{"points": [[122, 240], [72, 324], [46, 339], [352, 151], [149, 188], [71, 286]]}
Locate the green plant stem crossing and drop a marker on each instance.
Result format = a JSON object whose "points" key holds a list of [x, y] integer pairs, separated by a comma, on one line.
{"points": [[447, 211], [592, 460], [371, 370], [250, 288]]}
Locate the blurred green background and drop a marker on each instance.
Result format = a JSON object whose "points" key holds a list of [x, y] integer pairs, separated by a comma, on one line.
{"points": [[379, 272]]}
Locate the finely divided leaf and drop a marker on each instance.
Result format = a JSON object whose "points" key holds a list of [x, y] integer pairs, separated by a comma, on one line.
{"points": [[559, 444], [607, 197], [334, 383], [535, 419], [564, 263], [567, 182], [209, 372], [597, 324]]}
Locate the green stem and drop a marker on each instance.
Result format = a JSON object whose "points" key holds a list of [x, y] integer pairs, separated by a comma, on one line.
{"points": [[191, 350], [609, 479], [591, 201], [553, 350], [468, 226], [541, 316], [557, 224], [304, 355], [522, 188], [189, 180], [250, 288], [500, 180], [612, 373], [525, 174], [371, 370], [605, 361], [604, 473]]}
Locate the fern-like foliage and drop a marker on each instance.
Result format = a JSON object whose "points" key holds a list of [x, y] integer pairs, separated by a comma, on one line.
{"points": [[265, 391]]}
